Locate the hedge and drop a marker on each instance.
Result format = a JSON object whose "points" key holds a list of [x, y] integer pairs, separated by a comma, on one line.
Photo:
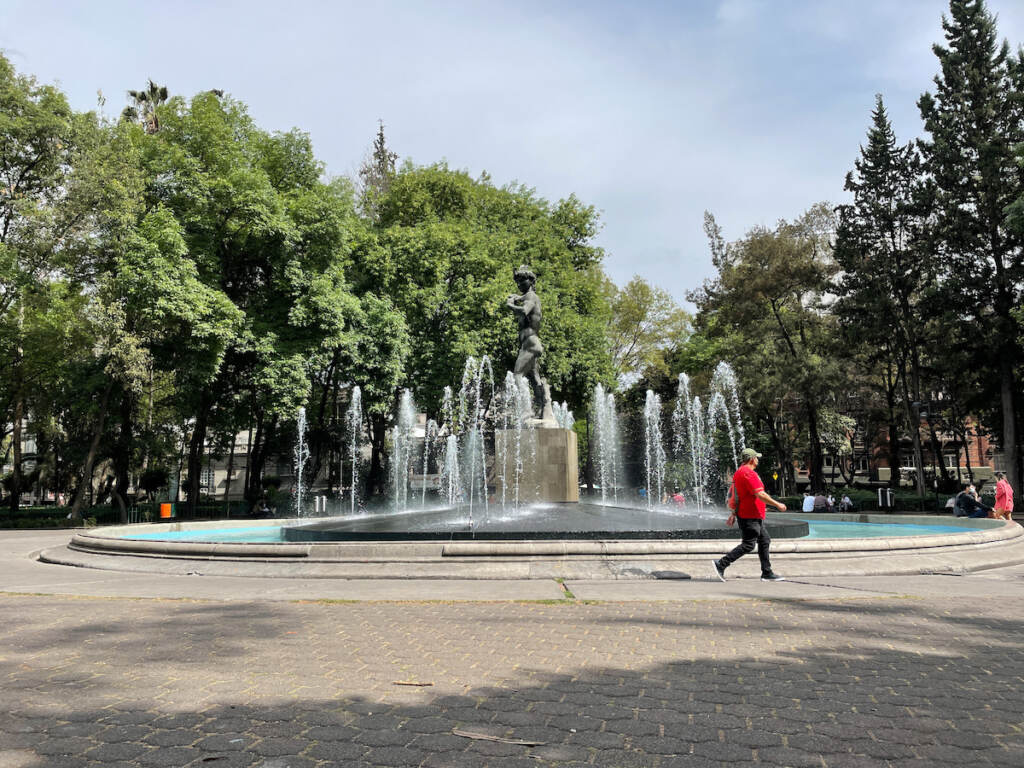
{"points": [[57, 517]]}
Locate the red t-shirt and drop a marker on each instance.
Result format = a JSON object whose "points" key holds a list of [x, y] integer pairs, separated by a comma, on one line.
{"points": [[747, 485]]}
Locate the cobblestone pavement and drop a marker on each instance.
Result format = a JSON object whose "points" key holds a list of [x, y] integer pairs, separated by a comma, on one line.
{"points": [[845, 682]]}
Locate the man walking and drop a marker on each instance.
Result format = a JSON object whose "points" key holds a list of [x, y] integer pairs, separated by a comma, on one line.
{"points": [[750, 506]]}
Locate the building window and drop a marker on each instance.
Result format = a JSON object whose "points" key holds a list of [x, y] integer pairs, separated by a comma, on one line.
{"points": [[907, 461], [206, 478], [950, 460], [827, 462], [862, 464]]}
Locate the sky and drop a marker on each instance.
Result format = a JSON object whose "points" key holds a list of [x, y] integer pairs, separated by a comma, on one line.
{"points": [[652, 112]]}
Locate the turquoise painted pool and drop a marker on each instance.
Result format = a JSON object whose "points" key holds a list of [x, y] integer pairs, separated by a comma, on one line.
{"points": [[837, 529], [819, 529], [268, 534]]}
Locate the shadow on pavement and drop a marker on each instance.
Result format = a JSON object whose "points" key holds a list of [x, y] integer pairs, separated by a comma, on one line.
{"points": [[150, 683]]}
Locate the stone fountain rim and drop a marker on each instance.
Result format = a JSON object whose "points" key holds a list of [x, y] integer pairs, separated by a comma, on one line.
{"points": [[116, 540]]}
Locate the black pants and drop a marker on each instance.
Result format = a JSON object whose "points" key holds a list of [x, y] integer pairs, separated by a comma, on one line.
{"points": [[752, 531]]}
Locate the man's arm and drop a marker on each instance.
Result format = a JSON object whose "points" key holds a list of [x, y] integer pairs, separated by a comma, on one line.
{"points": [[769, 500]]}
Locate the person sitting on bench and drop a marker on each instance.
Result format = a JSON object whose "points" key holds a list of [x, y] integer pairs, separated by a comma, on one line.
{"points": [[966, 505]]}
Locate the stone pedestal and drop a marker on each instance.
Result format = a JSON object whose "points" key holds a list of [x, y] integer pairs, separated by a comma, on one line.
{"points": [[550, 463]]}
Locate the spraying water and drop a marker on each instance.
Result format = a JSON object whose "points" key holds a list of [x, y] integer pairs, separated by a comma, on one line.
{"points": [[695, 431], [430, 432], [563, 416], [654, 450], [301, 455], [606, 437], [402, 449], [354, 419], [514, 446], [451, 483], [472, 412]]}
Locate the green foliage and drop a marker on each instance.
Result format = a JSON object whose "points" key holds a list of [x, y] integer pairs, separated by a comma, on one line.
{"points": [[645, 324], [766, 310], [974, 120], [444, 251]]}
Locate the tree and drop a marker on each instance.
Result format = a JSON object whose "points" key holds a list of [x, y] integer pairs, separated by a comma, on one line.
{"points": [[144, 107], [41, 137], [769, 299], [375, 175], [645, 324], [974, 119], [887, 275]]}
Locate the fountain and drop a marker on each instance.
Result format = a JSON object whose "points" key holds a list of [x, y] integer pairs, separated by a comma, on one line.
{"points": [[506, 458], [301, 455], [606, 435], [354, 424], [402, 450], [654, 450], [696, 431], [516, 446]]}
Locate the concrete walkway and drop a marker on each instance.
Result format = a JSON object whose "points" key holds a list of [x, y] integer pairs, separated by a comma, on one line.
{"points": [[102, 668], [22, 574]]}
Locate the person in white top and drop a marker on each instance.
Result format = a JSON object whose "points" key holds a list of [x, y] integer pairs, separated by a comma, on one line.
{"points": [[808, 502]]}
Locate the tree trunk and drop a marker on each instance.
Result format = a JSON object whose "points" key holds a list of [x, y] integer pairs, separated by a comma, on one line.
{"points": [[122, 456], [588, 467], [19, 415], [320, 442], [259, 455], [196, 452], [248, 462], [937, 452], [816, 478], [231, 469], [1010, 453], [149, 429], [773, 433], [90, 458], [252, 479], [378, 434]]}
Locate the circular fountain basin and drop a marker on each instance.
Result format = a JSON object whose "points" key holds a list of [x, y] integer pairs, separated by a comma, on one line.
{"points": [[255, 548], [531, 523]]}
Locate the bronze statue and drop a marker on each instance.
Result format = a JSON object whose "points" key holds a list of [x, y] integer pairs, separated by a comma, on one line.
{"points": [[526, 306]]}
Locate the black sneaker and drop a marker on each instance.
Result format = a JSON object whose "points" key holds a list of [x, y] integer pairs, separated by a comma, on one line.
{"points": [[772, 577], [719, 570]]}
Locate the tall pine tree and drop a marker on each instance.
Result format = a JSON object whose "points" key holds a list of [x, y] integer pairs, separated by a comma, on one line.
{"points": [[885, 275], [974, 120]]}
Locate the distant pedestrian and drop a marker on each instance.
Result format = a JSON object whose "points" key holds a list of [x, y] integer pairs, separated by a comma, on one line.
{"points": [[820, 503], [808, 502], [846, 505], [1004, 498], [749, 513]]}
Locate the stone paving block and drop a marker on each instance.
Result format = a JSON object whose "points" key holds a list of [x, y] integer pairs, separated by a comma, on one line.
{"points": [[722, 752], [791, 758], [613, 684], [168, 757], [337, 752]]}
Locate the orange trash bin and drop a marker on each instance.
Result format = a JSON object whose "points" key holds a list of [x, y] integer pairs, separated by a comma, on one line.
{"points": [[166, 511]]}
